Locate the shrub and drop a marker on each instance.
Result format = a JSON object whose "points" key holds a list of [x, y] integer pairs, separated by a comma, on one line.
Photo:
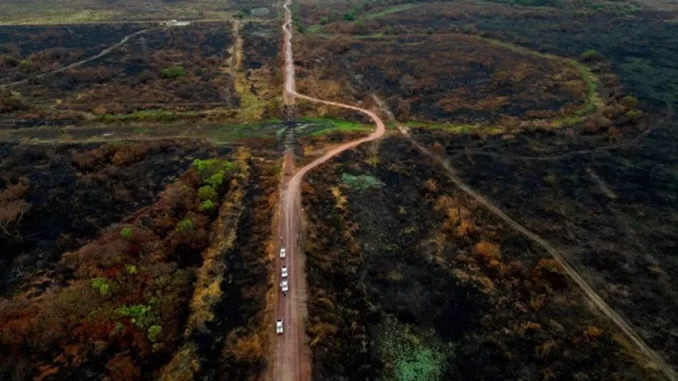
{"points": [[591, 55], [210, 167], [630, 102], [131, 269], [324, 20], [154, 332], [216, 180], [26, 66], [349, 17], [634, 115], [101, 285], [207, 205], [207, 192], [487, 250], [173, 72], [185, 225], [126, 233], [140, 315]]}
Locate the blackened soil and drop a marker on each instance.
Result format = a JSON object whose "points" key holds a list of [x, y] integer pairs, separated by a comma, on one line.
{"points": [[614, 212], [70, 205]]}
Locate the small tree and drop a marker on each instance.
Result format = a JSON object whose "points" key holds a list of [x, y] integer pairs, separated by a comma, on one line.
{"points": [[207, 193], [126, 233], [185, 225], [207, 205], [349, 17]]}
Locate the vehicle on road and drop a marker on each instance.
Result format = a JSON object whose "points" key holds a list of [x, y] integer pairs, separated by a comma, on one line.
{"points": [[284, 272], [282, 252], [284, 286], [279, 327]]}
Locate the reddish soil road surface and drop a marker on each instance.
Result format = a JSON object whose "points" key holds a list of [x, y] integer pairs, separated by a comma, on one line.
{"points": [[292, 362]]}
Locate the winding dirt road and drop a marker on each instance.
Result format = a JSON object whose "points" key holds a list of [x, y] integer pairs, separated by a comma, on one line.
{"points": [[292, 361]]}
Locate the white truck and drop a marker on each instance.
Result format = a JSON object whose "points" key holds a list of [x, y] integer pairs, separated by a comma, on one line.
{"points": [[282, 252], [283, 272], [284, 286], [279, 327]]}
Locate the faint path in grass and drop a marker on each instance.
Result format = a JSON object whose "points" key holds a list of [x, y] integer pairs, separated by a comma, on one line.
{"points": [[79, 63], [389, 11]]}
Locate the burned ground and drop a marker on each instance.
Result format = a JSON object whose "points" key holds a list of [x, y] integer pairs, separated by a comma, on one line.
{"points": [[444, 78], [75, 191], [92, 298], [162, 74], [612, 211], [408, 275]]}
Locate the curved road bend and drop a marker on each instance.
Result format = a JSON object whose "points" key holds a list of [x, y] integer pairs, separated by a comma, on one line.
{"points": [[292, 362]]}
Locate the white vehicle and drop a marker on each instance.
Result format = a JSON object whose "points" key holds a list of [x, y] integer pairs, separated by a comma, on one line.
{"points": [[284, 272], [284, 286], [279, 327], [282, 252]]}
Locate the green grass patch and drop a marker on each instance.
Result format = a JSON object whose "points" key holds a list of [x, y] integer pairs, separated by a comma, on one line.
{"points": [[361, 182], [409, 355], [322, 126], [173, 72]]}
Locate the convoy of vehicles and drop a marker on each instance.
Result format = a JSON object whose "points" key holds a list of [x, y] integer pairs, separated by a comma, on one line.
{"points": [[284, 287]]}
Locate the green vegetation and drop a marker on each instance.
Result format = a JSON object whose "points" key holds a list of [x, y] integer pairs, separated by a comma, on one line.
{"points": [[185, 225], [207, 193], [361, 182], [593, 101], [322, 126], [349, 17], [140, 315], [213, 166], [409, 356], [173, 72], [132, 269], [216, 179], [102, 285], [591, 55], [207, 205], [154, 332], [26, 66], [126, 233]]}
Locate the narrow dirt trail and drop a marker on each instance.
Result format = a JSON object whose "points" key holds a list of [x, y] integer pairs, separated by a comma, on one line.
{"points": [[629, 331], [82, 62], [293, 358]]}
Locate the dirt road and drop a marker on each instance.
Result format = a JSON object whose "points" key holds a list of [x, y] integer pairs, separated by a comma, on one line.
{"points": [[292, 361]]}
